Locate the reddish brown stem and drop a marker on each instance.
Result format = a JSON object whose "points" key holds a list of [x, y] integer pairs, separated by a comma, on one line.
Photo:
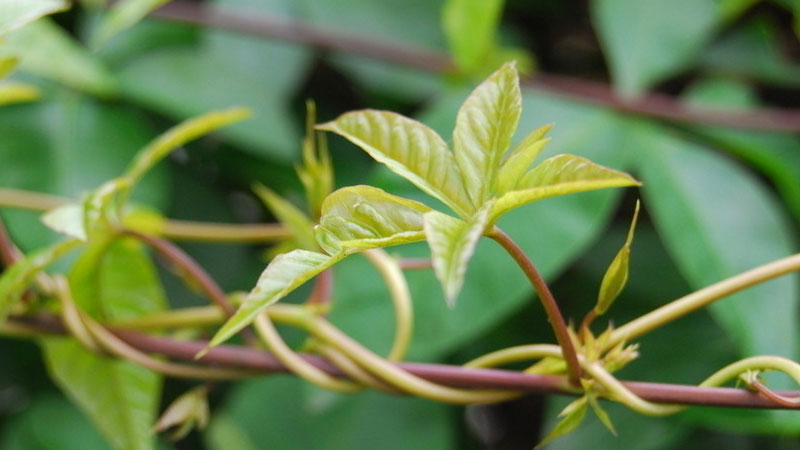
{"points": [[548, 301], [323, 288], [8, 251], [783, 400], [415, 263], [654, 105]]}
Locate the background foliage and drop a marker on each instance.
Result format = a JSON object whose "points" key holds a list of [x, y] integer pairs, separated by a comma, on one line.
{"points": [[716, 200]]}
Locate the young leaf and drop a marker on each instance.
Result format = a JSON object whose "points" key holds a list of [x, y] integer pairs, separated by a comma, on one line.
{"points": [[15, 14], [284, 274], [186, 412], [572, 416], [560, 175], [470, 27], [484, 127], [520, 160], [123, 15], [16, 278], [617, 274], [367, 217], [180, 134], [316, 173], [601, 413], [452, 242], [11, 93], [289, 215], [66, 219], [408, 148]]}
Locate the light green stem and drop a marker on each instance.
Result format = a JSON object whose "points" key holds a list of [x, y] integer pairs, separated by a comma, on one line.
{"points": [[401, 300], [194, 317]]}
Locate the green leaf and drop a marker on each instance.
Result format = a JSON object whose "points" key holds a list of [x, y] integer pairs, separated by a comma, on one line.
{"points": [[123, 15], [520, 160], [179, 135], [571, 418], [360, 217], [15, 14], [284, 274], [67, 219], [470, 27], [115, 282], [186, 412], [47, 50], [409, 149], [484, 127], [717, 221], [7, 65], [11, 93], [646, 41], [616, 275], [601, 413], [452, 242], [560, 175], [297, 221], [17, 277], [316, 173]]}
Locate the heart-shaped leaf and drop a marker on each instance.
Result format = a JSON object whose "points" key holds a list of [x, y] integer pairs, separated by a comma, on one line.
{"points": [[452, 242], [284, 274], [361, 217], [560, 175], [484, 127], [408, 148]]}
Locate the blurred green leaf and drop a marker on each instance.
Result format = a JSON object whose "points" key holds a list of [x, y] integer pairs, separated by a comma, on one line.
{"points": [[67, 219], [718, 221], [470, 27], [351, 423], [111, 283], [290, 216], [367, 217], [123, 15], [646, 41], [48, 51], [410, 149], [284, 274], [188, 411], [452, 242], [15, 14], [485, 124], [17, 93]]}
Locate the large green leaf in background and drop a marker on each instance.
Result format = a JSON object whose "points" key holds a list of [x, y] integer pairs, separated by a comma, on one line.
{"points": [[65, 146], [120, 397], [276, 413], [17, 13], [552, 231], [718, 220], [646, 41]]}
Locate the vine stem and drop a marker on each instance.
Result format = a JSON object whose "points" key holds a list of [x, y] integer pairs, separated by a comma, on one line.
{"points": [[547, 299], [401, 300], [699, 299]]}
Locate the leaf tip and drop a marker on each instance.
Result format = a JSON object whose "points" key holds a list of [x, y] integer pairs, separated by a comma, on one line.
{"points": [[203, 352]]}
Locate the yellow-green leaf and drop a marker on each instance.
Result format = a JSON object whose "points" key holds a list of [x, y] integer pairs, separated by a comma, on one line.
{"points": [[188, 411], [15, 14], [452, 242], [297, 221], [361, 217], [284, 274], [560, 175], [617, 273], [470, 27], [408, 148], [484, 127], [7, 65], [316, 173], [179, 135], [66, 219], [123, 15], [601, 413], [520, 160], [16, 278], [572, 416], [11, 93]]}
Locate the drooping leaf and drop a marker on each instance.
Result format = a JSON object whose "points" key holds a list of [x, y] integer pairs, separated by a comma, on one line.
{"points": [[452, 243], [111, 282], [47, 50], [646, 41], [284, 274], [289, 215], [520, 160], [560, 175], [360, 217], [123, 15], [16, 278], [616, 276], [179, 135], [484, 127], [470, 27], [15, 14], [11, 93], [408, 148], [571, 418], [717, 221]]}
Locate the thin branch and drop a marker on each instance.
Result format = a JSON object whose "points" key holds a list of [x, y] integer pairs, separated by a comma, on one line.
{"points": [[456, 376], [8, 251], [654, 105]]}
